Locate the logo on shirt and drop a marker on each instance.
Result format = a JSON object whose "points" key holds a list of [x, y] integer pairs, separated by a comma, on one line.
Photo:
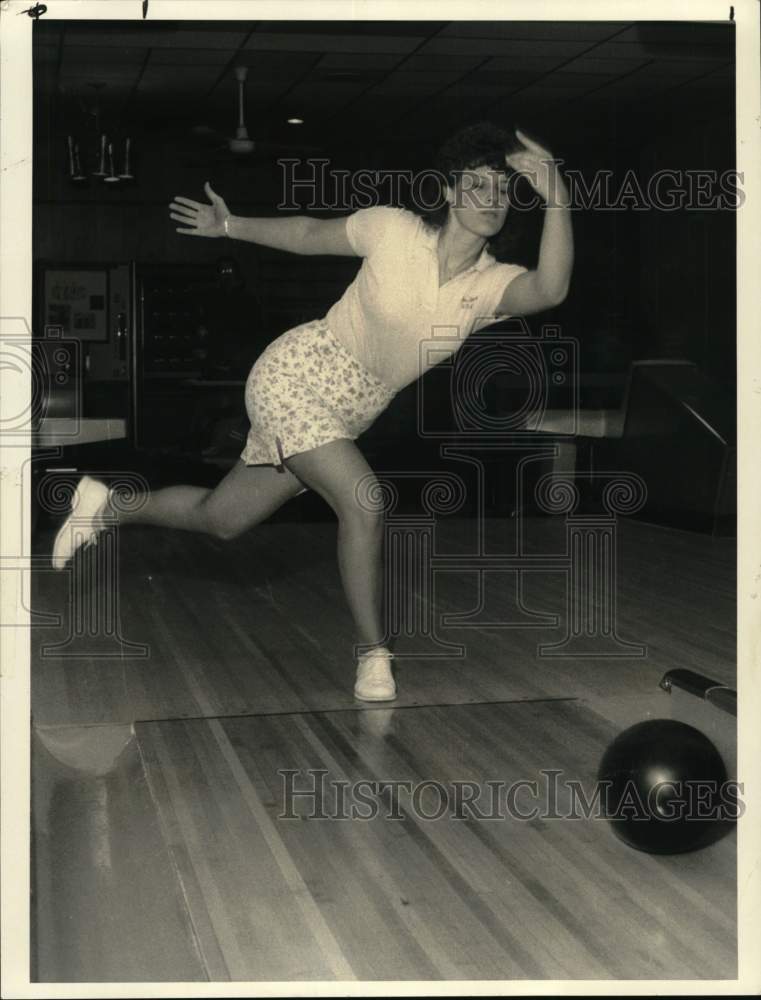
{"points": [[468, 301]]}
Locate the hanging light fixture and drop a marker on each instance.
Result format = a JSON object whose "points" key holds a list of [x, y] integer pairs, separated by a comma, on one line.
{"points": [[126, 174], [75, 167], [94, 152]]}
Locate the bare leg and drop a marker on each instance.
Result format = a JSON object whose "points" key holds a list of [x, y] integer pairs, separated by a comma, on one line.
{"points": [[249, 494], [334, 470], [246, 496]]}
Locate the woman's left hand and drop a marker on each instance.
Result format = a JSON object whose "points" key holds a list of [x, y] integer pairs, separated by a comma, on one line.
{"points": [[541, 170]]}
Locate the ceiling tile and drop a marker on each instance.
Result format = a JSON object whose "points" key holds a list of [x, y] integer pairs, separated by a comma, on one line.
{"points": [[641, 85], [678, 69], [149, 35], [439, 75], [720, 85], [353, 26], [541, 92], [324, 94], [569, 80], [414, 77], [588, 31], [192, 57], [416, 84], [77, 96], [264, 63], [443, 63], [109, 76], [225, 93], [359, 60], [508, 78], [537, 63], [486, 90], [83, 55], [604, 67], [190, 78], [487, 46], [638, 50], [332, 43], [208, 39], [382, 105], [226, 103], [670, 32]]}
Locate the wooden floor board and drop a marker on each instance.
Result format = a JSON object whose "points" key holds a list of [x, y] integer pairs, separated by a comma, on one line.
{"points": [[261, 625], [106, 905], [250, 673], [512, 898]]}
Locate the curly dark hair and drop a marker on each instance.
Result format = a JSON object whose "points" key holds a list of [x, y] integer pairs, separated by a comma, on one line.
{"points": [[483, 144]]}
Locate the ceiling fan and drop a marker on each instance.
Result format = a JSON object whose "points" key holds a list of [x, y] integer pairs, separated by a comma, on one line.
{"points": [[242, 145]]}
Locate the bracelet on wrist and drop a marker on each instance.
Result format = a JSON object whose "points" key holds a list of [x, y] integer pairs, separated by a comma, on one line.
{"points": [[227, 225]]}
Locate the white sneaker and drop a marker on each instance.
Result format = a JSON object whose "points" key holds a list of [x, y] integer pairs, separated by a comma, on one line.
{"points": [[375, 682], [81, 526]]}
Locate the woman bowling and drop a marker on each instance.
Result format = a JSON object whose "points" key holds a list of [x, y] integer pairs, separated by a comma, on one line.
{"points": [[317, 387]]}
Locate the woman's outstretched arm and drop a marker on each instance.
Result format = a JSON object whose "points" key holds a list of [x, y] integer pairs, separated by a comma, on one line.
{"points": [[547, 285], [296, 234]]}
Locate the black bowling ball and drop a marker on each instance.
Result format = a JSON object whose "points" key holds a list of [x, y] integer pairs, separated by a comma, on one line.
{"points": [[662, 787]]}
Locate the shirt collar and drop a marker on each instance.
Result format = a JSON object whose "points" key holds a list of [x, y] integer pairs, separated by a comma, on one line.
{"points": [[429, 240]]}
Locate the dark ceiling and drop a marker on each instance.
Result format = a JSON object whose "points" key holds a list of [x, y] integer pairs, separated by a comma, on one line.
{"points": [[389, 80]]}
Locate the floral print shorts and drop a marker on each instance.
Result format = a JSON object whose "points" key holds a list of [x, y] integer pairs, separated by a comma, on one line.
{"points": [[305, 390]]}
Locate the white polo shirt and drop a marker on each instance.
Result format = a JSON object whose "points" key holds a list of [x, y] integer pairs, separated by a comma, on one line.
{"points": [[395, 317]]}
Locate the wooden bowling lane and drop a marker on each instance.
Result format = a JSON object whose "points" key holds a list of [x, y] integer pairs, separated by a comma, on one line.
{"points": [[106, 905], [261, 626], [277, 898]]}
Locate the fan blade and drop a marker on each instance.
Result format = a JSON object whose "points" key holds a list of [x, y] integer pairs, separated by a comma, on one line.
{"points": [[205, 136]]}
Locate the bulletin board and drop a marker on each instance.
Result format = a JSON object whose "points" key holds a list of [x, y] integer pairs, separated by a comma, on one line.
{"points": [[75, 302]]}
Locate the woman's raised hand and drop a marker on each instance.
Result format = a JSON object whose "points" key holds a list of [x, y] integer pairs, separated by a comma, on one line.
{"points": [[203, 220], [537, 164]]}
